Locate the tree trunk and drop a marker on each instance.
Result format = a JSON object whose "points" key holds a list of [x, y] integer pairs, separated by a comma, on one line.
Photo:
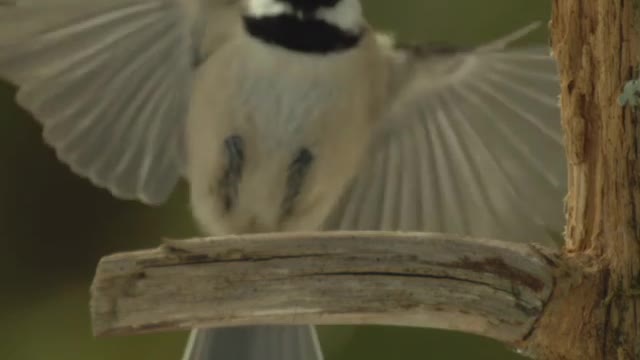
{"points": [[595, 312]]}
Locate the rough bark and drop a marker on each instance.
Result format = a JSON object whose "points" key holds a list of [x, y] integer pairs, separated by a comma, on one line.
{"points": [[593, 315]]}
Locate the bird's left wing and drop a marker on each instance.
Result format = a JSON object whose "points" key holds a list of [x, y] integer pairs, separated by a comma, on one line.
{"points": [[110, 82], [471, 144]]}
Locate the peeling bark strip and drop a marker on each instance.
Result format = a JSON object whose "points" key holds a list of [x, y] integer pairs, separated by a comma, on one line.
{"points": [[486, 287], [592, 315]]}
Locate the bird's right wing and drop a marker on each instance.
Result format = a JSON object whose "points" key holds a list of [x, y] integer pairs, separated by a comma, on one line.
{"points": [[110, 82]]}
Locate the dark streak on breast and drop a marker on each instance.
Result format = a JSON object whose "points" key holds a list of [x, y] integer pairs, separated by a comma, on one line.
{"points": [[228, 184], [298, 170]]}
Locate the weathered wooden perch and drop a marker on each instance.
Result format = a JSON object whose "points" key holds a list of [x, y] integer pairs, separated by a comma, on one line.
{"points": [[492, 288]]}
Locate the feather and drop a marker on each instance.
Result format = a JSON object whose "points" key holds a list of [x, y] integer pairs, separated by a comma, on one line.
{"points": [[110, 83], [473, 146], [255, 343]]}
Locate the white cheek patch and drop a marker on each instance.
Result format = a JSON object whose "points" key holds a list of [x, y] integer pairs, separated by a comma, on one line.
{"points": [[346, 14], [264, 8]]}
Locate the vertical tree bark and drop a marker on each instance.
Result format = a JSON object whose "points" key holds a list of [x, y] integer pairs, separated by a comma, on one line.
{"points": [[596, 315]]}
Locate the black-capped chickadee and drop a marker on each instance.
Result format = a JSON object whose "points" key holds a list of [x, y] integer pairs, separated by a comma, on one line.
{"points": [[290, 115]]}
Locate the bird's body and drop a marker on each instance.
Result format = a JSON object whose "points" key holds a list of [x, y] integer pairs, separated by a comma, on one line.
{"points": [[293, 102], [288, 115]]}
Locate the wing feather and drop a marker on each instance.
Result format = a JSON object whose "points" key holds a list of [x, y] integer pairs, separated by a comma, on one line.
{"points": [[472, 144], [110, 83]]}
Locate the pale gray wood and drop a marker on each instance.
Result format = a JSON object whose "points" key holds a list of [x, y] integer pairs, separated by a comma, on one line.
{"points": [[492, 288]]}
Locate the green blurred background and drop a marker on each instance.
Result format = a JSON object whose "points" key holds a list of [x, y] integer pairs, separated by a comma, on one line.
{"points": [[55, 226]]}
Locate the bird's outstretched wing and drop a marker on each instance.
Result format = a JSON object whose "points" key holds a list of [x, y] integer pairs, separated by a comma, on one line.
{"points": [[471, 144], [110, 82]]}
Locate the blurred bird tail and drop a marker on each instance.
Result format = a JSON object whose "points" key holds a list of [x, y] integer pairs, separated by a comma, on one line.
{"points": [[254, 343]]}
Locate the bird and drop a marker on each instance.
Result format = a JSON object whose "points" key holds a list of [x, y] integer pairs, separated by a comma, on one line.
{"points": [[291, 115]]}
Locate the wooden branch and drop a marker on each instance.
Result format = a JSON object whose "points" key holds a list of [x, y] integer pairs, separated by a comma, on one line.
{"points": [[492, 288]]}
